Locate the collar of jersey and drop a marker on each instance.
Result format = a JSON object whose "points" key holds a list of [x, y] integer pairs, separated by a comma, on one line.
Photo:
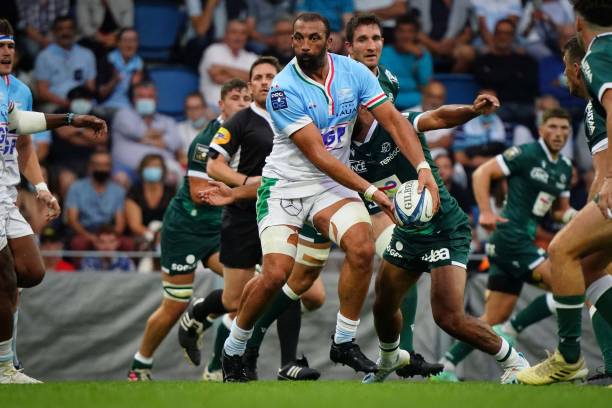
{"points": [[328, 81], [220, 119], [261, 112], [595, 38], [547, 151]]}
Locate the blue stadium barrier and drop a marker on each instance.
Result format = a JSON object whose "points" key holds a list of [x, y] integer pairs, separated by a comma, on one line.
{"points": [[460, 88], [173, 84], [158, 24]]}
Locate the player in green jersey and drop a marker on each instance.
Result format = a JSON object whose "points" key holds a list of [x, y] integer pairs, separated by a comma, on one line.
{"points": [[538, 177], [587, 238], [190, 233]]}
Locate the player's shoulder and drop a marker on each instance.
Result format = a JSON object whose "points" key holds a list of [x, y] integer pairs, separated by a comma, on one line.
{"points": [[565, 161], [383, 70], [343, 64], [19, 85], [287, 78], [524, 150]]}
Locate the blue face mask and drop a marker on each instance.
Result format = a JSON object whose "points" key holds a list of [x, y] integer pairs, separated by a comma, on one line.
{"points": [[152, 174], [145, 106]]}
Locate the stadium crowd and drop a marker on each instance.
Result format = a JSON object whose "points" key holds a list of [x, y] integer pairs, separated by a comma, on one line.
{"points": [[83, 56]]}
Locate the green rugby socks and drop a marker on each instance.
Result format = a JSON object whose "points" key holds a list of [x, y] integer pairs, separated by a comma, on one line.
{"points": [[569, 320], [409, 308]]}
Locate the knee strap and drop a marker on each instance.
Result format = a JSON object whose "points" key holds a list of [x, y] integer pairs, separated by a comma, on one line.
{"points": [[178, 293], [348, 215], [275, 240]]}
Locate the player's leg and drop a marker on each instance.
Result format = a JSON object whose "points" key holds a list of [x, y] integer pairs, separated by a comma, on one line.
{"points": [[587, 233], [8, 304], [177, 293], [382, 227], [347, 223], [29, 265], [392, 283]]}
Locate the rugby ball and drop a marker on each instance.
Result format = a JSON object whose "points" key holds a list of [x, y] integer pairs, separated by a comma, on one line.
{"points": [[411, 208]]}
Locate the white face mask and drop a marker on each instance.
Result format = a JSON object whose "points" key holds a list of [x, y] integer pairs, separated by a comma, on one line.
{"points": [[145, 106], [81, 106], [198, 123]]}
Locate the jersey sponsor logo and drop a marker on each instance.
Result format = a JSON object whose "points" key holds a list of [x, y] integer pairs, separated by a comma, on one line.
{"points": [[278, 100], [292, 207], [358, 166], [391, 77], [345, 94], [542, 204], [333, 138], [512, 152], [586, 70], [385, 148], [390, 157], [180, 268], [388, 185], [391, 251], [347, 108], [539, 174], [200, 153], [8, 141], [436, 255], [562, 183], [223, 136], [590, 118]]}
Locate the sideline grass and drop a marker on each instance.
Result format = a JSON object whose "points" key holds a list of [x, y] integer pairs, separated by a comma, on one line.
{"points": [[336, 394]]}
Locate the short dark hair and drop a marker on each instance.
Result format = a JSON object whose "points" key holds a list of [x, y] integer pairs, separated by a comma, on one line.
{"points": [[145, 83], [125, 30], [359, 20], [574, 50], [6, 28], [107, 229], [232, 84], [310, 17], [556, 113], [195, 94], [148, 158], [597, 12], [266, 59], [61, 19], [80, 92], [505, 21], [409, 19]]}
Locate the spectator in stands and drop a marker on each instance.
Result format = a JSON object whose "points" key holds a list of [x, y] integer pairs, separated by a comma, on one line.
{"points": [[62, 66], [445, 165], [36, 19], [107, 240], [387, 10], [95, 201], [147, 200], [540, 24], [444, 26], [139, 130], [71, 147], [479, 140], [122, 68], [281, 47], [552, 77], [99, 21], [197, 116], [224, 61], [488, 13], [42, 144], [51, 240], [409, 60], [263, 14], [512, 74], [338, 12], [201, 30], [434, 96]]}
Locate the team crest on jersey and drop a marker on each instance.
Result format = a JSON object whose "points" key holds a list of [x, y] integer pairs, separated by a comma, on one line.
{"points": [[539, 174], [200, 153], [385, 148], [512, 152], [278, 100], [223, 136]]}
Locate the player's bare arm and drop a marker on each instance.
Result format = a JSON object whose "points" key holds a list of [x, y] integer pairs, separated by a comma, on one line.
{"points": [[605, 193], [406, 139], [481, 184], [308, 140], [448, 116], [562, 211], [30, 168], [28, 122]]}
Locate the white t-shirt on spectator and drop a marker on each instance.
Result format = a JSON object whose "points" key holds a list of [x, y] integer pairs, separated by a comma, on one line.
{"points": [[187, 133], [495, 10], [220, 54], [369, 5]]}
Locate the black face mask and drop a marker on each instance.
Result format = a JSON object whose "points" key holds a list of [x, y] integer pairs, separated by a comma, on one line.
{"points": [[101, 176]]}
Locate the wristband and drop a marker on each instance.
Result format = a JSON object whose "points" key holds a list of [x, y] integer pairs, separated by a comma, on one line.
{"points": [[42, 186], [422, 165], [369, 193], [568, 215], [69, 118]]}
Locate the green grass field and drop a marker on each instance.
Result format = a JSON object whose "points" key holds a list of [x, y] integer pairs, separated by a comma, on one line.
{"points": [[336, 394]]}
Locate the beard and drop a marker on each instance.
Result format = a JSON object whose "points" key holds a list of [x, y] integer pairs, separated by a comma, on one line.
{"points": [[311, 62]]}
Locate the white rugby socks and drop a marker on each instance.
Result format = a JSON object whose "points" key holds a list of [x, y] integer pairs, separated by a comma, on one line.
{"points": [[6, 350], [346, 329], [236, 342], [507, 355]]}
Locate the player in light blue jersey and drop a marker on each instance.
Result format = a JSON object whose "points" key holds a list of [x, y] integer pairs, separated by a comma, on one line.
{"points": [[313, 104], [20, 262]]}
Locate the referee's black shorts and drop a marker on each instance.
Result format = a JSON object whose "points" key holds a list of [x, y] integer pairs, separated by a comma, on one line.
{"points": [[240, 246]]}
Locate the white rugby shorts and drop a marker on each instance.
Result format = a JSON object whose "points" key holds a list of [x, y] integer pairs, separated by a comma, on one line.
{"points": [[12, 224]]}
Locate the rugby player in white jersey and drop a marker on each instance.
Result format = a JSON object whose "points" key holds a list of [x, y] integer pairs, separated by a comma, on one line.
{"points": [[313, 103], [21, 265]]}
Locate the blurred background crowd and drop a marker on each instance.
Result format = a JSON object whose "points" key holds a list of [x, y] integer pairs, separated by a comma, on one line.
{"points": [[153, 69]]}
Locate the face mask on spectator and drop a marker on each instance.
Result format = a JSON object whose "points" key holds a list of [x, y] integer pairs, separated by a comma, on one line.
{"points": [[81, 106], [145, 106], [152, 174], [198, 123], [101, 176]]}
